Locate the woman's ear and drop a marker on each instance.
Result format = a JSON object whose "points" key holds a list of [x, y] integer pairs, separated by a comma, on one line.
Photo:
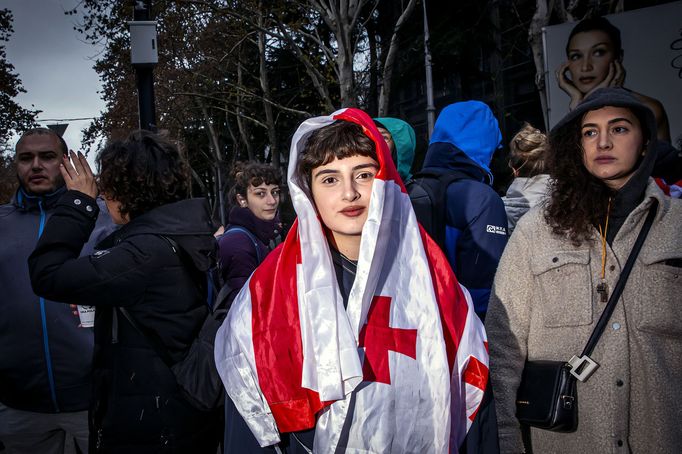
{"points": [[242, 201]]}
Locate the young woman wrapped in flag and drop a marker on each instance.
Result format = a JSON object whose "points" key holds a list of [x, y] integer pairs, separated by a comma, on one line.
{"points": [[354, 334]]}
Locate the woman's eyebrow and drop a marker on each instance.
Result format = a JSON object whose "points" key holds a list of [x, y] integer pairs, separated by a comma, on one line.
{"points": [[325, 172], [364, 166], [615, 120]]}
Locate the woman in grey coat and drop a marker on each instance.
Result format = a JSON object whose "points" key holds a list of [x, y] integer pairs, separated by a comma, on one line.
{"points": [[556, 274]]}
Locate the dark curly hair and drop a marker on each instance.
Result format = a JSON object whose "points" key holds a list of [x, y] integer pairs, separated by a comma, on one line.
{"points": [[251, 174], [341, 139], [143, 172], [578, 199]]}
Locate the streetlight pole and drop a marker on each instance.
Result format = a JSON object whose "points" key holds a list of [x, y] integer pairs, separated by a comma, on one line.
{"points": [[143, 56]]}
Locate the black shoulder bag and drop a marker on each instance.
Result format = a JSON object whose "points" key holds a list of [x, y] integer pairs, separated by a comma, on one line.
{"points": [[547, 397]]}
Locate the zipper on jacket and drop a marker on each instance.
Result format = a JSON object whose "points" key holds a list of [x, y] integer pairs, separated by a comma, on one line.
{"points": [[43, 317]]}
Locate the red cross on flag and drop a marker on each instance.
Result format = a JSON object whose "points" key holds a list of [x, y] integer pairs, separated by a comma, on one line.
{"points": [[402, 368]]}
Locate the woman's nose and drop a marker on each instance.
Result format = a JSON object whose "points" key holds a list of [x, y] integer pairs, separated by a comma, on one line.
{"points": [[350, 192], [604, 141]]}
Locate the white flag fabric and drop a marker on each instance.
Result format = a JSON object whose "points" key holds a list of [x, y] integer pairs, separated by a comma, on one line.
{"points": [[401, 369]]}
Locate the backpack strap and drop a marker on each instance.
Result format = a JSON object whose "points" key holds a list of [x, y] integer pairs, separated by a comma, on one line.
{"points": [[428, 193], [251, 236]]}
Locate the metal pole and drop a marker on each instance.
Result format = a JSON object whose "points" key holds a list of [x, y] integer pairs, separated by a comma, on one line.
{"points": [[430, 108], [145, 75]]}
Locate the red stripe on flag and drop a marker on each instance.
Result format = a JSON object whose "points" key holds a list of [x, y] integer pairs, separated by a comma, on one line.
{"points": [[451, 301], [277, 344]]}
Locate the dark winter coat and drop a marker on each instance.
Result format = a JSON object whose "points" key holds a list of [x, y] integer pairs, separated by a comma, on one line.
{"points": [[464, 139], [137, 406], [45, 358], [238, 256]]}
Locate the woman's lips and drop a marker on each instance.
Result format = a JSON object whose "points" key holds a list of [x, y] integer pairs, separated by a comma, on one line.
{"points": [[605, 159], [353, 211], [587, 80]]}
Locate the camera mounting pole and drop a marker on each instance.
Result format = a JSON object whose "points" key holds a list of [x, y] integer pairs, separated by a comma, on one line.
{"points": [[144, 56]]}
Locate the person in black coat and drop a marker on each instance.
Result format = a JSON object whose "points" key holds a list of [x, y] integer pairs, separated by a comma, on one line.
{"points": [[154, 267]]}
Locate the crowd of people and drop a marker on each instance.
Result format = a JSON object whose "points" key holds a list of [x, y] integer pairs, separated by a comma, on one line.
{"points": [[352, 330]]}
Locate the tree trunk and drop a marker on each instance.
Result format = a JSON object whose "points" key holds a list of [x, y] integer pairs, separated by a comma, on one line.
{"points": [[389, 62], [243, 133], [540, 19], [265, 86]]}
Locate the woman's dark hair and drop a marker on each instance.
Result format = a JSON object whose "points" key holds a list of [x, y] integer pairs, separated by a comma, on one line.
{"points": [[598, 24], [143, 172], [251, 174], [527, 151], [341, 139], [578, 199]]}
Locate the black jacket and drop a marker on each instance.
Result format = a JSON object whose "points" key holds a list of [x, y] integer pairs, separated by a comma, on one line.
{"points": [[137, 406]]}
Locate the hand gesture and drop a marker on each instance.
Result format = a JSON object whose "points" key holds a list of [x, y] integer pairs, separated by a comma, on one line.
{"points": [[78, 175], [567, 86]]}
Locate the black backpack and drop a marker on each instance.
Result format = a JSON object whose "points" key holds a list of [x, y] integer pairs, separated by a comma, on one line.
{"points": [[196, 374], [427, 190]]}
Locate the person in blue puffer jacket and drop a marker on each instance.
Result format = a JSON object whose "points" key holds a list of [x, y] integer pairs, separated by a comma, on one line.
{"points": [[464, 139]]}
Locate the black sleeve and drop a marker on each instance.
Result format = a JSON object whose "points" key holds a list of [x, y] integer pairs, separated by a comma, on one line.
{"points": [[112, 277], [482, 437]]}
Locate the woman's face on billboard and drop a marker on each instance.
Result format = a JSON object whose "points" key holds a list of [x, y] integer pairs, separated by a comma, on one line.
{"points": [[590, 54]]}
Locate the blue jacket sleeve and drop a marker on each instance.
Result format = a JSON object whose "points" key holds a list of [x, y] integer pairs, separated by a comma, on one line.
{"points": [[476, 236]]}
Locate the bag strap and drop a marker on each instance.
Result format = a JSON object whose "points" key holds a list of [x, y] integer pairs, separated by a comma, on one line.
{"points": [[587, 363], [252, 237], [152, 338]]}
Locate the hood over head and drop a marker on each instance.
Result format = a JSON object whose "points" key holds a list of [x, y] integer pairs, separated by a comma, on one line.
{"points": [[405, 143], [619, 97], [631, 194], [472, 128]]}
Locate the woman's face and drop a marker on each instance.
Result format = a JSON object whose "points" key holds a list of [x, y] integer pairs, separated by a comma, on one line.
{"points": [[612, 143], [387, 137], [262, 200], [341, 192], [590, 54]]}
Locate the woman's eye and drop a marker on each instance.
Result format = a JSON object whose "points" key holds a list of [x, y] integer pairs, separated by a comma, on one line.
{"points": [[365, 175], [259, 194], [275, 193], [328, 180], [574, 57], [620, 129], [589, 133]]}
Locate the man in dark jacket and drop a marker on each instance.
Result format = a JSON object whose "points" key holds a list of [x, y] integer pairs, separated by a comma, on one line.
{"points": [[464, 139], [45, 357]]}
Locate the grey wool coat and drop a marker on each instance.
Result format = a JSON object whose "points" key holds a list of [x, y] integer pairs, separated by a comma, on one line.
{"points": [[544, 305]]}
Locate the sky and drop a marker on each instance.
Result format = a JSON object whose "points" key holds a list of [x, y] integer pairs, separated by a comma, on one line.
{"points": [[54, 65]]}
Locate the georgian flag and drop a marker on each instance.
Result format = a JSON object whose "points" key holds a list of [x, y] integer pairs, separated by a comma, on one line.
{"points": [[402, 369]]}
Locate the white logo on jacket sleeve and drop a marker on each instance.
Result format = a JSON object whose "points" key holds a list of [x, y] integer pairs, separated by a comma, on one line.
{"points": [[496, 229], [101, 253]]}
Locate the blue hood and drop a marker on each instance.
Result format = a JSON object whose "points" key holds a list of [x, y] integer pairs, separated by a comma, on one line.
{"points": [[472, 128]]}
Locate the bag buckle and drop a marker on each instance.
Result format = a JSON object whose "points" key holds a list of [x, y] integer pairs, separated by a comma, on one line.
{"points": [[582, 367]]}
